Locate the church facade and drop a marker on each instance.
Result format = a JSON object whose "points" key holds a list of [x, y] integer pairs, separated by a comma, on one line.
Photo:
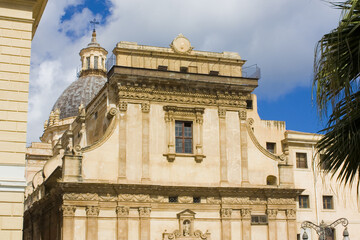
{"points": [[170, 146]]}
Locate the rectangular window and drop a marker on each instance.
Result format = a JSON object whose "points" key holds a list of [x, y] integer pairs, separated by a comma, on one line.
{"points": [[328, 202], [162, 68], [173, 199], [197, 200], [249, 104], [214, 73], [96, 62], [183, 69], [183, 136], [88, 62], [301, 160], [304, 201], [259, 219], [271, 147]]}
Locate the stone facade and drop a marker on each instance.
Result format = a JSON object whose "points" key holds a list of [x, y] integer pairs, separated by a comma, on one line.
{"points": [[18, 23], [172, 147]]}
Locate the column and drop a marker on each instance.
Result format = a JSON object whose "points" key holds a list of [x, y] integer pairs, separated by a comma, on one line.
{"points": [[170, 133], [244, 148], [122, 141], [144, 214], [246, 223], [92, 213], [36, 217], [145, 108], [272, 230], [68, 213], [225, 214], [291, 223], [223, 159], [122, 213]]}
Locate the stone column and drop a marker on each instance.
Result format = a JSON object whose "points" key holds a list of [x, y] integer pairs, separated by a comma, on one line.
{"points": [[68, 213], [291, 223], [122, 141], [36, 234], [92, 213], [223, 158], [225, 214], [122, 213], [244, 148], [272, 230], [144, 214], [246, 223], [145, 108]]}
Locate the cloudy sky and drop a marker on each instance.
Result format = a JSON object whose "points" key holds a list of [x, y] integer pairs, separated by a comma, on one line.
{"points": [[279, 36]]}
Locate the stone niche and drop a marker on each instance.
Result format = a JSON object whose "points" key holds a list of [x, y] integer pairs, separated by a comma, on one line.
{"points": [[186, 228]]}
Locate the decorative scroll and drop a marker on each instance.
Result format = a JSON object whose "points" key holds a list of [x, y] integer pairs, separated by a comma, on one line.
{"points": [[280, 158]]}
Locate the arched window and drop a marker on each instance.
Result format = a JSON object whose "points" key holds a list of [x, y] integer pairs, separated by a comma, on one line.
{"points": [[271, 180]]}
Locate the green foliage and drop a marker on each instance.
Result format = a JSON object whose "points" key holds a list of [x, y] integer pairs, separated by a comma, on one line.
{"points": [[336, 86]]}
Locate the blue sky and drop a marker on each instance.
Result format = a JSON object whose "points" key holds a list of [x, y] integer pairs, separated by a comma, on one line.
{"points": [[279, 36]]}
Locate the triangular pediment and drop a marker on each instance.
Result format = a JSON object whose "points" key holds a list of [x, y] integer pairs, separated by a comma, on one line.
{"points": [[186, 212]]}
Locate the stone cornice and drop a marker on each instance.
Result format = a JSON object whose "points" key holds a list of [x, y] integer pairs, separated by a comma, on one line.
{"points": [[172, 77], [109, 188]]}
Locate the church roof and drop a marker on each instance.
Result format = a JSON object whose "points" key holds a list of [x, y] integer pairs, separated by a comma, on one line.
{"points": [[83, 90]]}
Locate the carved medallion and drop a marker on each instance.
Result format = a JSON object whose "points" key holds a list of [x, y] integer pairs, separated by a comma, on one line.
{"points": [[181, 44]]}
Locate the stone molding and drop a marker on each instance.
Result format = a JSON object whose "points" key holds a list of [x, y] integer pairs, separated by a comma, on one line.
{"points": [[225, 212], [92, 211], [173, 113], [144, 211], [281, 201], [145, 91], [68, 211], [81, 196], [122, 211]]}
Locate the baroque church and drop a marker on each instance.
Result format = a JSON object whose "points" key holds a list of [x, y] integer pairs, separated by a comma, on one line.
{"points": [[165, 143]]}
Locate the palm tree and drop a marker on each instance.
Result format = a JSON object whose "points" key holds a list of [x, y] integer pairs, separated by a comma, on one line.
{"points": [[336, 86]]}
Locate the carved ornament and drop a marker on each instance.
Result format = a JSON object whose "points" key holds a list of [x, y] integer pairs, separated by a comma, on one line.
{"points": [[92, 211], [145, 107], [225, 212], [272, 213], [144, 211], [81, 196], [236, 200], [122, 211], [181, 44], [281, 201], [213, 200], [279, 158], [122, 106], [185, 199], [291, 213], [68, 211], [242, 114], [222, 112], [245, 213]]}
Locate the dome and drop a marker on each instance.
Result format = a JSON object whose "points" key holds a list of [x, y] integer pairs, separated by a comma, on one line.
{"points": [[83, 90]]}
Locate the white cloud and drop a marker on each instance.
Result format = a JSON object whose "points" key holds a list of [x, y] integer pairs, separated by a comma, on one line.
{"points": [[278, 35]]}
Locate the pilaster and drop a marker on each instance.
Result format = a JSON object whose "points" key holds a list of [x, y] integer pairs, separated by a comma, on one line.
{"points": [[144, 215], [246, 223], [223, 157], [225, 214], [122, 140], [68, 213], [92, 213], [122, 213], [272, 231], [291, 223], [244, 147], [145, 108]]}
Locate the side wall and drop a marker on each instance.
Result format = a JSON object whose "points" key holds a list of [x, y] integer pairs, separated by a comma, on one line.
{"points": [[16, 30]]}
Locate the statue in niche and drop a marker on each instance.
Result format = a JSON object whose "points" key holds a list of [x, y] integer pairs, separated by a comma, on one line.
{"points": [[186, 228]]}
